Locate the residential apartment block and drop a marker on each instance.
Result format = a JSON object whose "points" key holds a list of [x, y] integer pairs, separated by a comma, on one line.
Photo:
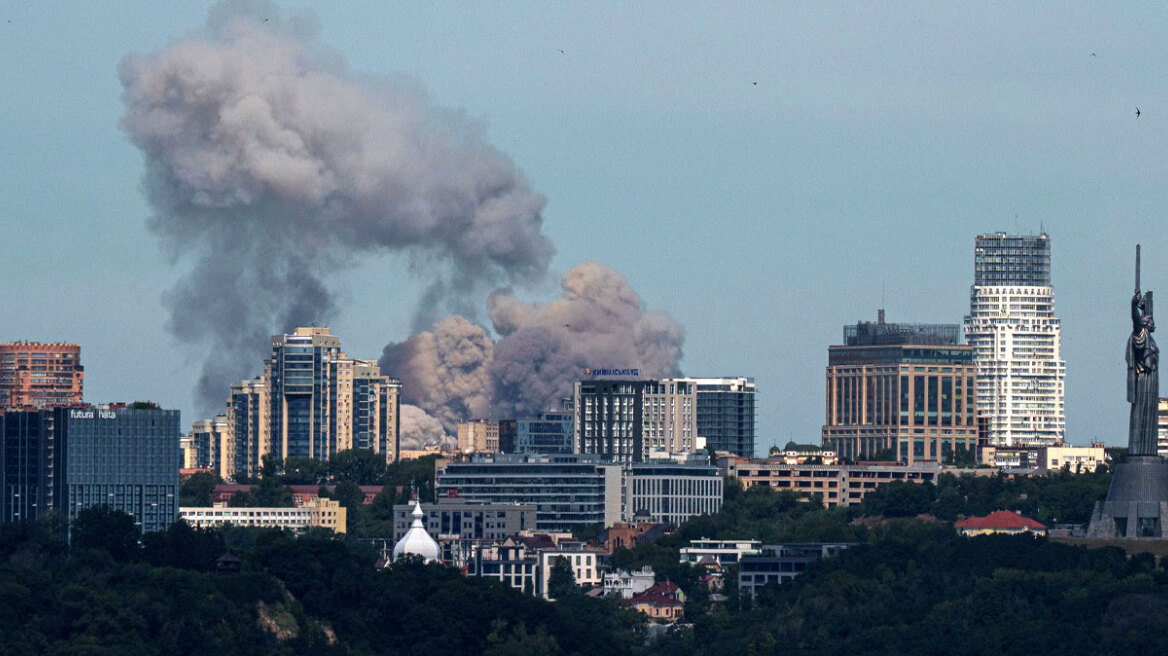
{"points": [[837, 485], [1016, 340], [35, 375]]}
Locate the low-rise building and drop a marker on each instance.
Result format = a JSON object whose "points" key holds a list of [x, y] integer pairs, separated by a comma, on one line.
{"points": [[671, 492], [779, 563], [629, 584], [1042, 459], [322, 513], [509, 562], [456, 523], [1001, 521], [579, 557], [719, 552], [663, 601], [837, 484]]}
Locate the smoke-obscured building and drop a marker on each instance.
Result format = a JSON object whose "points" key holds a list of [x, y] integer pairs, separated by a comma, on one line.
{"points": [[1016, 340], [40, 375], [478, 436], [900, 391]]}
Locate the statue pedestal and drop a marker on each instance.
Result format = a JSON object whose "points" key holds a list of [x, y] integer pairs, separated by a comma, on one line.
{"points": [[1137, 502]]}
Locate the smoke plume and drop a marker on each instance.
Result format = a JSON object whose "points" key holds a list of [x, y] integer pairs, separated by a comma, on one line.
{"points": [[269, 166], [600, 321], [419, 430], [444, 371]]}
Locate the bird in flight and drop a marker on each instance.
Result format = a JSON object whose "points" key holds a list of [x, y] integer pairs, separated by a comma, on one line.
{"points": [[1137, 112]]}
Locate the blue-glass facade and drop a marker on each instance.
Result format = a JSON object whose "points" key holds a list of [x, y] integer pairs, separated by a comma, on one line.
{"points": [[29, 462], [300, 398], [550, 432], [726, 414], [123, 458]]}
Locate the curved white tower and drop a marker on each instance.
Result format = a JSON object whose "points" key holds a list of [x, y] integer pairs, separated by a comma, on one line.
{"points": [[1016, 342]]}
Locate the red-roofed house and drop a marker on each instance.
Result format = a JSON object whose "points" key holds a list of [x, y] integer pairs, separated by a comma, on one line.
{"points": [[657, 606], [1001, 521]]}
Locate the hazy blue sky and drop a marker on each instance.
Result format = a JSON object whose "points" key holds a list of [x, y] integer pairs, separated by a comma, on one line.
{"points": [[760, 171]]}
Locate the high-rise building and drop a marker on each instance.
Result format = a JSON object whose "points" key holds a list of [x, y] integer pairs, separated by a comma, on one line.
{"points": [[120, 457], [214, 448], [321, 401], [900, 391], [30, 463], [726, 413], [609, 419], [669, 423], [37, 375], [1015, 337], [248, 410]]}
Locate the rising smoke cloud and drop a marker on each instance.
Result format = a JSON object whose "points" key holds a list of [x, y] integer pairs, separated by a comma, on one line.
{"points": [[269, 166], [421, 431], [599, 321]]}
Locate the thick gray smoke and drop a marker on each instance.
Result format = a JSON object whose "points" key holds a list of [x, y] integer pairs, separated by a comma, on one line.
{"points": [[269, 165], [444, 371], [421, 431], [600, 321]]}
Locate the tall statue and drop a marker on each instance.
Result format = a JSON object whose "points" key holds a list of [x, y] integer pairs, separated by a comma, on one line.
{"points": [[1143, 384]]}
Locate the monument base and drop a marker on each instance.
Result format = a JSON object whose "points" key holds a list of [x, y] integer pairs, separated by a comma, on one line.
{"points": [[1137, 501]]}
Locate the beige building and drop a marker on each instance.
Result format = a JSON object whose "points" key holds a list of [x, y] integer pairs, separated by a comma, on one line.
{"points": [[1047, 458], [838, 484], [318, 513], [248, 412], [669, 423], [902, 392], [478, 436], [213, 443]]}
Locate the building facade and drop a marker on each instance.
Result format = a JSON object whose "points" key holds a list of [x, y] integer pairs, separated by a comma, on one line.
{"points": [[458, 519], [726, 413], [1016, 340], [609, 417], [120, 457], [478, 436], [901, 392], [671, 493], [567, 491], [248, 412], [779, 563], [549, 432], [836, 485], [213, 445], [723, 553], [319, 513], [321, 401], [30, 465], [40, 375]]}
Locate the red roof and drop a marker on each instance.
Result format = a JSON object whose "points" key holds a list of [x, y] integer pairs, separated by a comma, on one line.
{"points": [[1001, 519], [653, 599], [663, 587]]}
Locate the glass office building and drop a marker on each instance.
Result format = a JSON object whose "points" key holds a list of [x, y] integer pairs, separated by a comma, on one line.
{"points": [[123, 458]]}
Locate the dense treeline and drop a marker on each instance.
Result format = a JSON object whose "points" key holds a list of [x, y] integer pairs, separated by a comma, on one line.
{"points": [[909, 586], [313, 594]]}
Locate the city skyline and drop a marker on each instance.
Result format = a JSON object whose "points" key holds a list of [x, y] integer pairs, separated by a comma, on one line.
{"points": [[772, 175]]}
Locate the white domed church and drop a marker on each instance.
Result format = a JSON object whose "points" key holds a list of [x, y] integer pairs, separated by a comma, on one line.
{"points": [[416, 541]]}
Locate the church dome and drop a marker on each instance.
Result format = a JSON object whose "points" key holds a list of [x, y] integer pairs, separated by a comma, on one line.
{"points": [[417, 541]]}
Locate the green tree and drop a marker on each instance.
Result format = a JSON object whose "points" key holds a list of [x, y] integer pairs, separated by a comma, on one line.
{"points": [[196, 491], [105, 529], [519, 642], [561, 579], [349, 494], [361, 466]]}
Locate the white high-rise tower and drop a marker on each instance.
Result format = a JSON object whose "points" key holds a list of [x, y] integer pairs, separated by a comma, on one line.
{"points": [[1016, 344]]}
